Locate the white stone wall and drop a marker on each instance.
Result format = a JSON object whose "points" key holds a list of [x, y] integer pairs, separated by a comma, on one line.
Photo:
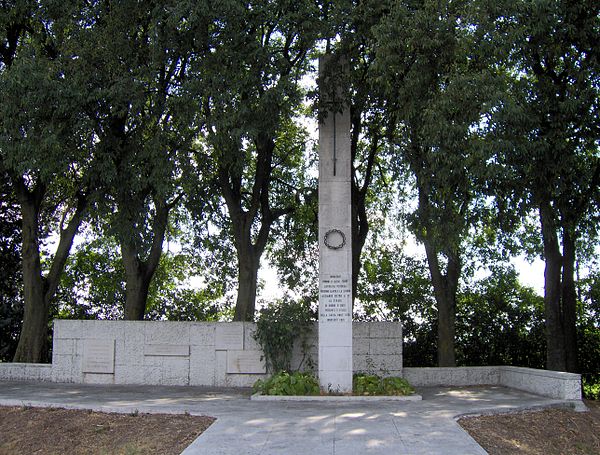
{"points": [[376, 348], [186, 353], [162, 353], [25, 371], [447, 376], [553, 384]]}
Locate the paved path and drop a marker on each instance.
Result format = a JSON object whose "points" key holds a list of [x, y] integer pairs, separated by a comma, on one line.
{"points": [[289, 428]]}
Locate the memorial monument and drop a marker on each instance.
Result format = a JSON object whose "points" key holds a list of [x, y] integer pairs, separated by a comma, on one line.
{"points": [[335, 242]]}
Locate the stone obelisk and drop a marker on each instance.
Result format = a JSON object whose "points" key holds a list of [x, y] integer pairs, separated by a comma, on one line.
{"points": [[335, 244]]}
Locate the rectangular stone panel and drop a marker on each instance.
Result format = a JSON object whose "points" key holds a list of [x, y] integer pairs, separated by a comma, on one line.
{"points": [[245, 362], [202, 365], [335, 193], [335, 261], [229, 336], [334, 215], [335, 298], [98, 356], [335, 358], [203, 333], [167, 350]]}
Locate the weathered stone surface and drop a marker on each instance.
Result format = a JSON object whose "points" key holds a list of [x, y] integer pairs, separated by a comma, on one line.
{"points": [[167, 332], [130, 374], [229, 336], [203, 333], [181, 350], [99, 356], [175, 371], [202, 365], [206, 365], [383, 346], [245, 362], [335, 246], [555, 384], [250, 344], [221, 369], [98, 378], [385, 330]]}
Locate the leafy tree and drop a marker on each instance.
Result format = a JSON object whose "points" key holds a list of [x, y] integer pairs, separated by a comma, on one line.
{"points": [[548, 125], [588, 331], [249, 91], [437, 89], [11, 301], [397, 287], [500, 322], [93, 284], [42, 151], [93, 287], [352, 69], [140, 120], [294, 251]]}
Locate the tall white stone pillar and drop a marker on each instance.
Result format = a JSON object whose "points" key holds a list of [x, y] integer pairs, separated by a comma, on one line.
{"points": [[335, 250]]}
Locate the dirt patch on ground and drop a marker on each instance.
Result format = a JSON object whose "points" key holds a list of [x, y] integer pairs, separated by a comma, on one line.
{"points": [[49, 431], [548, 432], [26, 430]]}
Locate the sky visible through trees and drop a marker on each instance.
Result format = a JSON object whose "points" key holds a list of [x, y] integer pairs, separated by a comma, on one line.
{"points": [[145, 143]]}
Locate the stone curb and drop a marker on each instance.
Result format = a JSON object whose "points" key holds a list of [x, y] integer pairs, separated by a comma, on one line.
{"points": [[342, 398]]}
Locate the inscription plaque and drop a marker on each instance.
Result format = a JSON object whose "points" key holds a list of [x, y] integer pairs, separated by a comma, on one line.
{"points": [[245, 362], [98, 356], [335, 298]]}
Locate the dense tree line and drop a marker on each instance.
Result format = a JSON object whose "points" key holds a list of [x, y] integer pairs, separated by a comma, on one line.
{"points": [[129, 126]]}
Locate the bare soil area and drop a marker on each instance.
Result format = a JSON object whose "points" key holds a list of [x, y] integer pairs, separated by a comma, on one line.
{"points": [[49, 431], [548, 432]]}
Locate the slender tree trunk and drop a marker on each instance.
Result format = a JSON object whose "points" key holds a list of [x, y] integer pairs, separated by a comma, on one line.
{"points": [[360, 230], [250, 251], [569, 301], [38, 291], [33, 340], [247, 284], [139, 273], [444, 288], [137, 284], [555, 353], [360, 220]]}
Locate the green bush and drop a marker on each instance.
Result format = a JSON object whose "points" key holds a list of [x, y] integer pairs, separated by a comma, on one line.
{"points": [[371, 384], [284, 383], [277, 327], [591, 387]]}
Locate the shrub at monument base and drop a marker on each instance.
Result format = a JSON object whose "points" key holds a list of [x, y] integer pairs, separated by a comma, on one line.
{"points": [[285, 383], [591, 386], [277, 327], [371, 384]]}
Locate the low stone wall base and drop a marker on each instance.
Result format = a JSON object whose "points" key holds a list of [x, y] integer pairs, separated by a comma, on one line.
{"points": [[553, 384]]}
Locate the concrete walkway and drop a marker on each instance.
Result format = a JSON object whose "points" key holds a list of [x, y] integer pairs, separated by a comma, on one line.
{"points": [[289, 428]]}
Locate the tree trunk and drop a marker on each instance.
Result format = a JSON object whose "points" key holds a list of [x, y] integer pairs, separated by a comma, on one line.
{"points": [[555, 350], [138, 273], [360, 220], [444, 288], [137, 284], [248, 251], [247, 284], [33, 340], [37, 290], [569, 302], [360, 229]]}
